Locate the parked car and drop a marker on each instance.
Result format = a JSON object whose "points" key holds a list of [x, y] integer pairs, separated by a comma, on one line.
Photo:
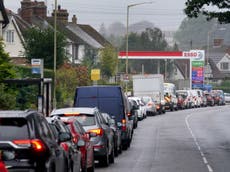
{"points": [[111, 100], [134, 109], [27, 136], [210, 99], [150, 105], [93, 122], [186, 94], [181, 101], [117, 133], [195, 97], [79, 134], [71, 148], [218, 96], [227, 97], [141, 110]]}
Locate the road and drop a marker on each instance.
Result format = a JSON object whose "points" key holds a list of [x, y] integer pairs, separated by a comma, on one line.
{"points": [[193, 140]]}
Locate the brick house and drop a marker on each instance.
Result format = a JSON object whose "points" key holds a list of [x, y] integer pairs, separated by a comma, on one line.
{"points": [[34, 13]]}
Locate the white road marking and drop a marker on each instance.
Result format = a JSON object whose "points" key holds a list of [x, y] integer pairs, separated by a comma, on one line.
{"points": [[197, 144]]}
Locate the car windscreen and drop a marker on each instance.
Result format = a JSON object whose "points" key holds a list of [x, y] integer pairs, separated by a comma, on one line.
{"points": [[85, 119], [13, 129]]}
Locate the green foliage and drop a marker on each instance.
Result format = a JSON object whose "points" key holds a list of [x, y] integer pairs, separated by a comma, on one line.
{"points": [[6, 68], [152, 39], [90, 58], [26, 72], [196, 7], [39, 43], [225, 86], [7, 98], [108, 61], [68, 78]]}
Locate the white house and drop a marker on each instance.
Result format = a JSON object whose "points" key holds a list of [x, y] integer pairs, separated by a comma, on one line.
{"points": [[13, 38]]}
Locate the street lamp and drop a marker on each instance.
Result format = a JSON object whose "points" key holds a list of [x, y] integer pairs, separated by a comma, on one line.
{"points": [[127, 31], [127, 35], [55, 53]]}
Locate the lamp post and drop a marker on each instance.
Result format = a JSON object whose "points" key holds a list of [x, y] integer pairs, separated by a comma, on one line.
{"points": [[55, 54], [127, 30], [127, 36]]}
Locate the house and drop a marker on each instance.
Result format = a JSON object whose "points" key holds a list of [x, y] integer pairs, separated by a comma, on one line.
{"points": [[3, 17], [219, 54], [34, 13], [13, 37]]}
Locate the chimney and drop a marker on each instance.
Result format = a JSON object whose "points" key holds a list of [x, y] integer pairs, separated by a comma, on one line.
{"points": [[62, 14], [74, 19], [218, 42], [32, 8]]}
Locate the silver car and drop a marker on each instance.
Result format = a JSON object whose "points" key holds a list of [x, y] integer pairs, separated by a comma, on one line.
{"points": [[150, 105], [94, 123]]}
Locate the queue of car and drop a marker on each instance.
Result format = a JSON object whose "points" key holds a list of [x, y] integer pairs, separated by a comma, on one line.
{"points": [[98, 127]]}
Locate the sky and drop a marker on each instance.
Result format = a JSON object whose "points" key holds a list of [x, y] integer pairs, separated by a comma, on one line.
{"points": [[165, 14]]}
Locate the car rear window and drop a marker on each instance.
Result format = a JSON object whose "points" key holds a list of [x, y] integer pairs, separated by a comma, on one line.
{"points": [[13, 129], [86, 119]]}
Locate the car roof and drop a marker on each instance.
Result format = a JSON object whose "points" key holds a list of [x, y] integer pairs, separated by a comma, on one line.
{"points": [[15, 113], [87, 110]]}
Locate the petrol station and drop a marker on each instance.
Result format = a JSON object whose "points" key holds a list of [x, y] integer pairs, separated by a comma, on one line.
{"points": [[196, 58]]}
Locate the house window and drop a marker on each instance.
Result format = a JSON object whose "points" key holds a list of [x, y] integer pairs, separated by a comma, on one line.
{"points": [[224, 66], [10, 36]]}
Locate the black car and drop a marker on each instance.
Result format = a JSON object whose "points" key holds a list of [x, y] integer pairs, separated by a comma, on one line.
{"points": [[110, 120], [27, 136], [71, 149], [133, 112]]}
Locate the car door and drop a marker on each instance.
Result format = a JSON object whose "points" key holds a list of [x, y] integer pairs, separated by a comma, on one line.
{"points": [[107, 129], [57, 157]]}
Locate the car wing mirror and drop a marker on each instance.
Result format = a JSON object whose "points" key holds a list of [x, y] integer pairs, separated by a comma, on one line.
{"points": [[64, 136]]}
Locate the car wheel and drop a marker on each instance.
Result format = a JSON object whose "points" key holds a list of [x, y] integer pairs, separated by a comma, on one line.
{"points": [[104, 161], [84, 166], [116, 151], [111, 156], [91, 169]]}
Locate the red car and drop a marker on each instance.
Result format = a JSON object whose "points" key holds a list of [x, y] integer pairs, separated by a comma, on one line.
{"points": [[2, 165], [87, 151]]}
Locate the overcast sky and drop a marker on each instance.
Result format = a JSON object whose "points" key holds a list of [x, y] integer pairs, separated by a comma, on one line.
{"points": [[165, 14]]}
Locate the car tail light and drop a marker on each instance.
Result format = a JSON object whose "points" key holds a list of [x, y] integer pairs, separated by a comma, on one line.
{"points": [[123, 127], [36, 144], [74, 139], [128, 114], [98, 131], [65, 146], [157, 106]]}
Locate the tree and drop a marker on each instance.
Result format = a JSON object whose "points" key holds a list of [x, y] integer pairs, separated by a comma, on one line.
{"points": [[196, 7], [152, 39], [7, 96], [193, 32], [40, 44], [6, 68], [108, 61], [68, 78]]}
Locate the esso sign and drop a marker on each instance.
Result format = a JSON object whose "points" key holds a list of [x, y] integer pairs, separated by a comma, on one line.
{"points": [[195, 55], [190, 54]]}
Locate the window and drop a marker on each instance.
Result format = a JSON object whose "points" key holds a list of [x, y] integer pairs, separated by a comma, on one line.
{"points": [[13, 129], [224, 66], [10, 36]]}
